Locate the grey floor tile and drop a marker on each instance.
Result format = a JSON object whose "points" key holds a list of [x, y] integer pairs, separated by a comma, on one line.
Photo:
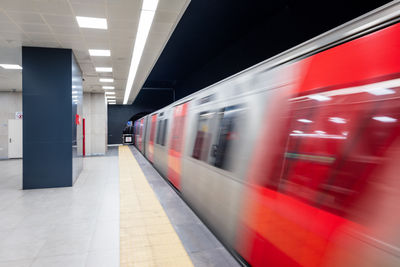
{"points": [[76, 260], [56, 227], [18, 263]]}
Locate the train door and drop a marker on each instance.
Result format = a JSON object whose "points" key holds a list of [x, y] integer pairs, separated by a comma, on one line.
{"points": [[176, 144], [141, 134], [152, 135]]}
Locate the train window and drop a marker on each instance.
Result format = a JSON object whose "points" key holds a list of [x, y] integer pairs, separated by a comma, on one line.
{"points": [[216, 132], [333, 152], [164, 132], [158, 136], [207, 122], [227, 135], [161, 132]]}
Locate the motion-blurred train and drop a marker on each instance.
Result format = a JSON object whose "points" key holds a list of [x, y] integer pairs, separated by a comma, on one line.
{"points": [[295, 161]]}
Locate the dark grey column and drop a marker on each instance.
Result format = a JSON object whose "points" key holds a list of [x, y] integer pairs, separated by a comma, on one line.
{"points": [[52, 97]]}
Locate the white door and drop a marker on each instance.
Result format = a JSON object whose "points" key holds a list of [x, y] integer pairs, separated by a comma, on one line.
{"points": [[14, 139]]}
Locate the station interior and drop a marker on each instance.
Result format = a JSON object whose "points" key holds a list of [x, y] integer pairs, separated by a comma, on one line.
{"points": [[199, 133]]}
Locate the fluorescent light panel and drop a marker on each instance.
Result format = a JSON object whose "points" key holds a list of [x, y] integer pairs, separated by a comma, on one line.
{"points": [[106, 80], [108, 87], [92, 23], [103, 69], [99, 52], [110, 93], [11, 66], [146, 19], [110, 96]]}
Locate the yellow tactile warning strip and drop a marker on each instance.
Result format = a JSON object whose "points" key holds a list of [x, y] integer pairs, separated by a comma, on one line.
{"points": [[147, 237]]}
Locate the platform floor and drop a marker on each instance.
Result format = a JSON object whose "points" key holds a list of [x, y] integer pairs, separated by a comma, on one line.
{"points": [[82, 225], [200, 244]]}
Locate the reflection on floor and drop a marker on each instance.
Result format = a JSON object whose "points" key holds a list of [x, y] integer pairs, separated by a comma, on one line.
{"points": [[76, 226]]}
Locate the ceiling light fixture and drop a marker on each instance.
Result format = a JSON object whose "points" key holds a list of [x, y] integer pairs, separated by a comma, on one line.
{"points": [[110, 93], [108, 87], [92, 23], [146, 19], [99, 52], [110, 96], [11, 66], [106, 80], [103, 69]]}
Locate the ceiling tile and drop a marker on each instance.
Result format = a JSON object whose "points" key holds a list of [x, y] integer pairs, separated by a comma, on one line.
{"points": [[129, 10], [39, 28], [46, 44], [44, 37], [159, 27], [127, 25], [165, 16], [13, 36], [59, 20], [66, 31], [171, 5], [19, 5], [89, 10], [4, 18], [9, 27], [25, 17], [57, 7]]}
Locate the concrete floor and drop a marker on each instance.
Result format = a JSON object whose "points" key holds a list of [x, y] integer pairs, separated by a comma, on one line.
{"points": [[76, 226], [80, 226]]}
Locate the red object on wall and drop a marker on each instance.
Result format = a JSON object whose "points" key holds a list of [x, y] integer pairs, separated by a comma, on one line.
{"points": [[77, 119], [83, 140]]}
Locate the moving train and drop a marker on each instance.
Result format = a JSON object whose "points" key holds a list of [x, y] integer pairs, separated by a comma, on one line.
{"points": [[295, 161]]}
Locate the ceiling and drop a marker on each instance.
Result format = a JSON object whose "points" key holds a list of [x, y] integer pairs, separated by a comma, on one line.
{"points": [[52, 23], [216, 39]]}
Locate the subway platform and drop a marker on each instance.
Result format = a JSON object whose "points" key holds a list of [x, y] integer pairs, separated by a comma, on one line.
{"points": [[120, 212]]}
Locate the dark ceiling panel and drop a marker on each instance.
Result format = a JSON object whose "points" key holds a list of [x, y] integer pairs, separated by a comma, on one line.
{"points": [[216, 39]]}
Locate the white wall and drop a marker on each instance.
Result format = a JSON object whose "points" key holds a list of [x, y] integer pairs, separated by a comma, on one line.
{"points": [[10, 102], [95, 114]]}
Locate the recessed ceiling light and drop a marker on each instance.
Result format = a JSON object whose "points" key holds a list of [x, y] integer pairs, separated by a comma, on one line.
{"points": [[92, 23], [108, 87], [112, 103], [103, 69], [110, 93], [110, 97], [99, 52], [106, 80], [11, 66], [146, 19]]}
